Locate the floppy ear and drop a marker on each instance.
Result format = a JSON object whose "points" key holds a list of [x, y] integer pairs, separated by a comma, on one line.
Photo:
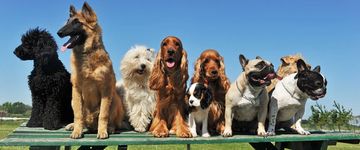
{"points": [[88, 13], [198, 71], [184, 68], [317, 69], [243, 61], [207, 98], [157, 78], [224, 81], [72, 11], [301, 66]]}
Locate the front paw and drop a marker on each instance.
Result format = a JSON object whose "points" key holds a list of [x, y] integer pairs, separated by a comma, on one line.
{"points": [[205, 135], [76, 135], [270, 133], [102, 134], [160, 133], [140, 129], [184, 133], [69, 127], [261, 133], [193, 133], [227, 132], [303, 132]]}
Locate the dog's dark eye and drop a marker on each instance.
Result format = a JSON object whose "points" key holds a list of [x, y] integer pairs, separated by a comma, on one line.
{"points": [[177, 43], [149, 59], [260, 65], [75, 21], [164, 44], [137, 56]]}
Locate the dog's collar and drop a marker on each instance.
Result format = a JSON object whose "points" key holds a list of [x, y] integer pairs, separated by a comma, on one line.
{"points": [[251, 99]]}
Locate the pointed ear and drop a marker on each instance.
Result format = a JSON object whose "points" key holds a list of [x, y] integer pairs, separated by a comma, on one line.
{"points": [[317, 69], [243, 61], [258, 57], [284, 61], [72, 11], [88, 13], [301, 66]]}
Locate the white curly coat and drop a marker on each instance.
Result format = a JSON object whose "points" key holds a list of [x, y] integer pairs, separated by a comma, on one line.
{"points": [[139, 100]]}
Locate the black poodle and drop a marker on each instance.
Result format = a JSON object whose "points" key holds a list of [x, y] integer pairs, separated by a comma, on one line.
{"points": [[49, 81]]}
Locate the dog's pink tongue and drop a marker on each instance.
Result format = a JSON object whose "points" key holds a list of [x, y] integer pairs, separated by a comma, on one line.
{"points": [[270, 76], [170, 64], [64, 47]]}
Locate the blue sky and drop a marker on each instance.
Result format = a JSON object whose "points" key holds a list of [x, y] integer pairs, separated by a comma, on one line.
{"points": [[325, 32]]}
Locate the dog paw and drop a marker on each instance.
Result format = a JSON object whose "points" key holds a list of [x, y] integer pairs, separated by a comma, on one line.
{"points": [[172, 131], [193, 133], [303, 132], [160, 134], [270, 133], [205, 135], [76, 135], [261, 133], [69, 127], [140, 129], [102, 135], [185, 134], [227, 132]]}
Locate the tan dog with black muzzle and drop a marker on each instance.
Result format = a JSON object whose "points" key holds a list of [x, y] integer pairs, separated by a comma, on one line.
{"points": [[247, 98]]}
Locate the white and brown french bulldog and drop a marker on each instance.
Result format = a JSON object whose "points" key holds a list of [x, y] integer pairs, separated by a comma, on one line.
{"points": [[289, 97], [247, 99]]}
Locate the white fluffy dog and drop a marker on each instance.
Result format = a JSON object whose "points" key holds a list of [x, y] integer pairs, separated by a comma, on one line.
{"points": [[139, 100]]}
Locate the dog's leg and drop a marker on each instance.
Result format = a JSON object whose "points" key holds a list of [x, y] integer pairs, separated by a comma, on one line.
{"points": [[159, 128], [77, 105], [204, 130], [52, 113], [138, 118], [192, 125], [36, 119], [264, 101], [228, 118], [298, 126], [104, 115], [182, 129], [272, 116]]}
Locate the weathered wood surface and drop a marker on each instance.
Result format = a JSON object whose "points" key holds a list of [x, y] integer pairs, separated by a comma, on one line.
{"points": [[40, 137]]}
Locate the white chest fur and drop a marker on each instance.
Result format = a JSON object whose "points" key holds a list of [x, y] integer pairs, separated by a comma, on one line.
{"points": [[246, 107]]}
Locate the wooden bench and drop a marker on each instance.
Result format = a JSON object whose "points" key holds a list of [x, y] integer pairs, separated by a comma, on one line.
{"points": [[40, 138]]}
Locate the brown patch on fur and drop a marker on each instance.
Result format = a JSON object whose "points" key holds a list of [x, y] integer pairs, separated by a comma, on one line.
{"points": [[94, 101], [209, 61], [288, 66], [170, 86]]}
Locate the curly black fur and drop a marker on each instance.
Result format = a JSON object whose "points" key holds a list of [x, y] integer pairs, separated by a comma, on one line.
{"points": [[49, 81]]}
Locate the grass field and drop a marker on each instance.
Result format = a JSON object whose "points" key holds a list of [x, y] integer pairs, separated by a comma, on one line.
{"points": [[7, 127]]}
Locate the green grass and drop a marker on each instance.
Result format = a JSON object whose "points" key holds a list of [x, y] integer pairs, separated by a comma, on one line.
{"points": [[6, 127]]}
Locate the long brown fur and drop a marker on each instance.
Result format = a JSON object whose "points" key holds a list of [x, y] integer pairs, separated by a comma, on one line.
{"points": [[94, 101], [170, 87], [288, 66], [210, 60]]}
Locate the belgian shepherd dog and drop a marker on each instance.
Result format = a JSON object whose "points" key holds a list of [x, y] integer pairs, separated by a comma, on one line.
{"points": [[94, 100]]}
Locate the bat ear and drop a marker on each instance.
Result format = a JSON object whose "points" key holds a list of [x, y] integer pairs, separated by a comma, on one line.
{"points": [[317, 69], [301, 66], [243, 61]]}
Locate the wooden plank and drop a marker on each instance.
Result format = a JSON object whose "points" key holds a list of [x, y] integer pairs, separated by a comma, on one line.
{"points": [[41, 137]]}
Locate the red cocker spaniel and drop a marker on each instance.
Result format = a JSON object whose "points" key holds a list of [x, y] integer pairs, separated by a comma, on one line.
{"points": [[210, 69], [168, 79]]}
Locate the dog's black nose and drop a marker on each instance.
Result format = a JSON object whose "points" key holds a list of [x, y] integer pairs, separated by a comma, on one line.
{"points": [[143, 66], [191, 101], [60, 33], [214, 72], [170, 52]]}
